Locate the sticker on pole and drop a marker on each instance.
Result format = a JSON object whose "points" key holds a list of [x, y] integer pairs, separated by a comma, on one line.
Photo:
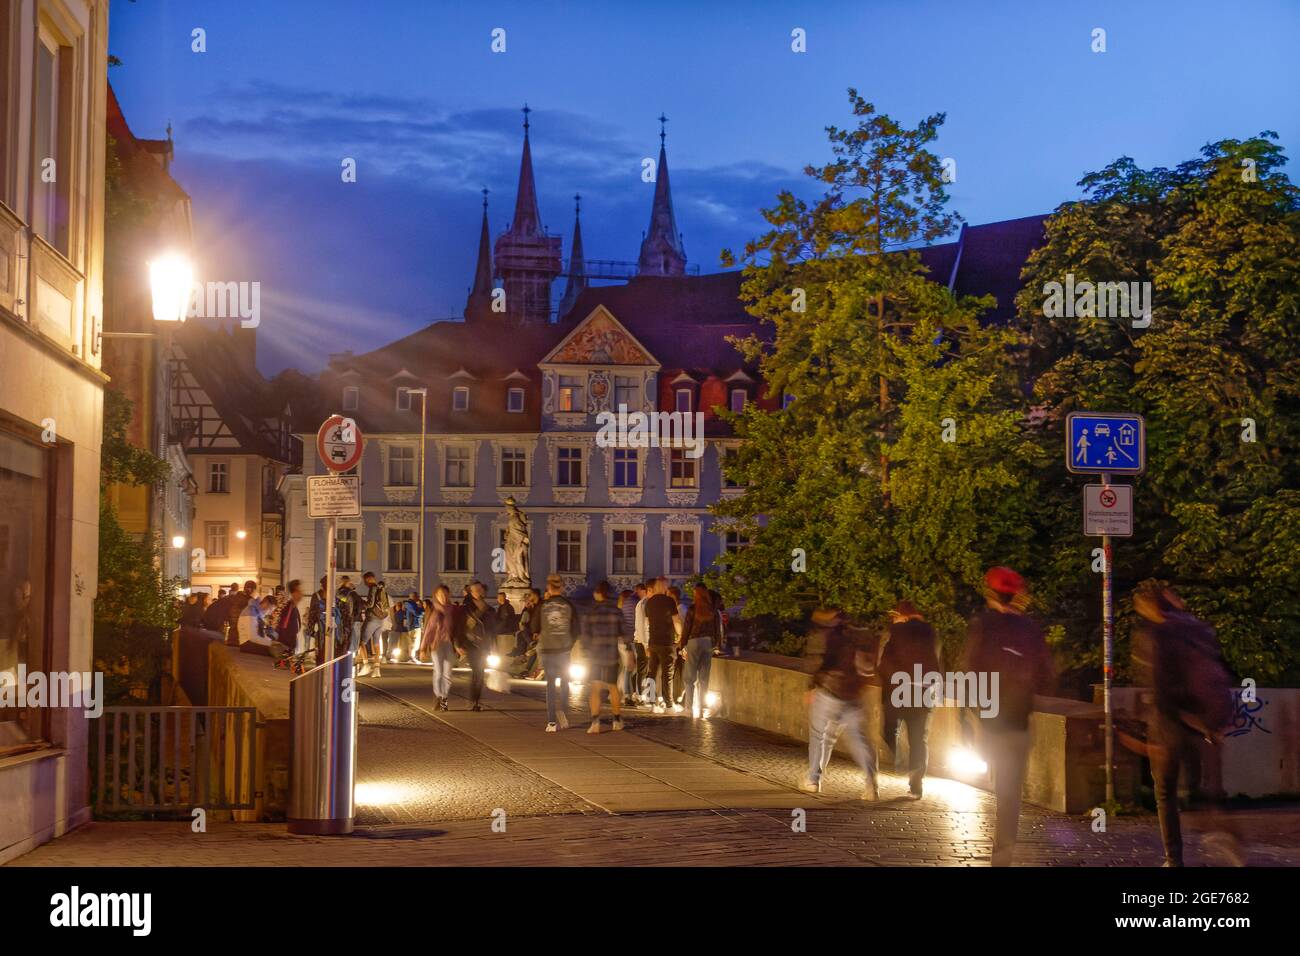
{"points": [[1097, 442], [339, 443], [1108, 510], [333, 496]]}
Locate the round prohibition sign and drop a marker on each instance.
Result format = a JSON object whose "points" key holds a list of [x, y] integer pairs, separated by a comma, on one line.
{"points": [[1107, 498]]}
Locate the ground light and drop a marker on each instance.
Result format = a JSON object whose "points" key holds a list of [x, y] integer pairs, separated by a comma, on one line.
{"points": [[966, 762], [493, 661], [577, 673]]}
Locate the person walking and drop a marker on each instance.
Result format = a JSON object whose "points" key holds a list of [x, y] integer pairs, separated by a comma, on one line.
{"points": [[701, 626], [603, 640], [1178, 656], [290, 621], [835, 701], [506, 623], [627, 660], [437, 645], [317, 608], [641, 643], [663, 627], [910, 645], [1003, 640], [479, 638], [559, 622]]}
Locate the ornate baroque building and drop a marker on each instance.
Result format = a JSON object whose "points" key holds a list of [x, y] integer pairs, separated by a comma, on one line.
{"points": [[512, 405]]}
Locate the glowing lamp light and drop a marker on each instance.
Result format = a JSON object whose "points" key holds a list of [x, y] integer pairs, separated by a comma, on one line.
{"points": [[171, 279], [178, 541], [577, 673], [493, 661], [241, 534], [967, 762], [712, 700]]}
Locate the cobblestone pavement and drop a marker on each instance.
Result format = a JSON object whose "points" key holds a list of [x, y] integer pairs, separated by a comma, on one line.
{"points": [[427, 792]]}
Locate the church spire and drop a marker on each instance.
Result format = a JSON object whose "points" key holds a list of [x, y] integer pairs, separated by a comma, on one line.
{"points": [[528, 219], [661, 249], [479, 303], [577, 266]]}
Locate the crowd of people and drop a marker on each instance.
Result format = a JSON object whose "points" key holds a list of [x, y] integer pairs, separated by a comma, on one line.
{"points": [[650, 647]]}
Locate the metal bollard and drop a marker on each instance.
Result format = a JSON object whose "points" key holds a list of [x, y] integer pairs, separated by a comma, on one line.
{"points": [[322, 767]]}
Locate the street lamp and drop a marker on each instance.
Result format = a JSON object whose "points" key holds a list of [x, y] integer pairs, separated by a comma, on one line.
{"points": [[424, 409], [171, 280], [178, 541], [241, 534]]}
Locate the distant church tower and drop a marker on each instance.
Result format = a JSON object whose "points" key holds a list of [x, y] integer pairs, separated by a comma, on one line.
{"points": [[577, 267], [662, 253], [527, 259], [479, 304]]}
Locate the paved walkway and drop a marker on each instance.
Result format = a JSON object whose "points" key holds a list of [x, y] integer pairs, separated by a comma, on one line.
{"points": [[463, 788]]}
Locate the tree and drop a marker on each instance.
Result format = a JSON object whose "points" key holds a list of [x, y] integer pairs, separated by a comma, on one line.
{"points": [[855, 474]]}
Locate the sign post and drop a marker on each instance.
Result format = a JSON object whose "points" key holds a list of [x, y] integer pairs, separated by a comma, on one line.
{"points": [[1103, 443], [339, 445]]}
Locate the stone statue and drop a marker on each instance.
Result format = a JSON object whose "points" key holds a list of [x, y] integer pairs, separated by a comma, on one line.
{"points": [[516, 546]]}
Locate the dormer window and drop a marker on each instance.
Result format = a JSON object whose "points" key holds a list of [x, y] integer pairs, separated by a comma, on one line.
{"points": [[460, 398], [403, 399], [682, 400], [515, 400], [571, 389], [351, 398], [738, 398]]}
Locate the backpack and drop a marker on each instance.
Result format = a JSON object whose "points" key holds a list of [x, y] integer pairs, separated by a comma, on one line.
{"points": [[1200, 684]]}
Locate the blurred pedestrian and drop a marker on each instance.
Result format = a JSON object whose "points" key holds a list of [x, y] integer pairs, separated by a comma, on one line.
{"points": [[437, 645], [701, 626], [478, 640], [835, 701], [909, 653], [603, 641], [1003, 640], [663, 627], [559, 623]]}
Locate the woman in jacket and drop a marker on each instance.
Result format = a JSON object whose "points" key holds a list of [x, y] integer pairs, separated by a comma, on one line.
{"points": [[436, 642]]}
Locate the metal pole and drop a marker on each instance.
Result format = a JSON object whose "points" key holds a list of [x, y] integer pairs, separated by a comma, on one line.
{"points": [[322, 655], [1108, 655], [424, 408]]}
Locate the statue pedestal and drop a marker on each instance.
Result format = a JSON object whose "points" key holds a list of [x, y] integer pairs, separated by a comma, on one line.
{"points": [[516, 593]]}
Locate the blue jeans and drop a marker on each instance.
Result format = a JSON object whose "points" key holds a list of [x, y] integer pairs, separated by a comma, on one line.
{"points": [[355, 641], [374, 637], [828, 716], [444, 659], [556, 666], [699, 660]]}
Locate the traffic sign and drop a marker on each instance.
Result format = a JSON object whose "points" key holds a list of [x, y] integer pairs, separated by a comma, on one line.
{"points": [[1108, 510], [1103, 442], [333, 496], [339, 443]]}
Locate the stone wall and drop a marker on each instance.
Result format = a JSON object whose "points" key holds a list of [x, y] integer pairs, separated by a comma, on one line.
{"points": [[236, 679]]}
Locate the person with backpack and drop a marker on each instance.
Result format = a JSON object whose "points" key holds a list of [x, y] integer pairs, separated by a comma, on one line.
{"points": [[603, 641], [316, 610], [909, 643], [559, 624], [374, 620], [835, 701], [1178, 656], [1003, 640], [701, 627]]}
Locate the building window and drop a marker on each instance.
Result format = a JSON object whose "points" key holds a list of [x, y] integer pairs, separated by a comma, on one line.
{"points": [[625, 392], [729, 456], [683, 470], [515, 400], [681, 551], [460, 398], [456, 467], [26, 531], [268, 541], [216, 539], [218, 478], [571, 389], [401, 465], [623, 557], [733, 541], [455, 550], [403, 399], [568, 470], [351, 398], [514, 468], [682, 400], [738, 398], [401, 549], [346, 550], [52, 159], [625, 468], [568, 551]]}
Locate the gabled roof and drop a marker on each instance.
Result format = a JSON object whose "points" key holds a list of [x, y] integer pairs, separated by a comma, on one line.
{"points": [[600, 339]]}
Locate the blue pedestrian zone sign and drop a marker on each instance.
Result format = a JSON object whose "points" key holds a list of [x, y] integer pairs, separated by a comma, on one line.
{"points": [[1103, 442]]}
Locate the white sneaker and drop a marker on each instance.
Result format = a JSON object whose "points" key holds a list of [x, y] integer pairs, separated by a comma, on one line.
{"points": [[563, 720], [595, 727], [363, 668], [616, 724], [658, 708], [551, 728], [808, 785], [678, 708]]}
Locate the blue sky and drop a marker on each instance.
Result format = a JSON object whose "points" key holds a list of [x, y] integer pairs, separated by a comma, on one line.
{"points": [[413, 92]]}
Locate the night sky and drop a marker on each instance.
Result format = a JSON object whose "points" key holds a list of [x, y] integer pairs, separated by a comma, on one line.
{"points": [[413, 92]]}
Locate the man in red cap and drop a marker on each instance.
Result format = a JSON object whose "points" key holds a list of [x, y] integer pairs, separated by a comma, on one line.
{"points": [[1005, 641]]}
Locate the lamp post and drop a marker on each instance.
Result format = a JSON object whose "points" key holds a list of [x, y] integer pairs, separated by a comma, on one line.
{"points": [[424, 408], [171, 280]]}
